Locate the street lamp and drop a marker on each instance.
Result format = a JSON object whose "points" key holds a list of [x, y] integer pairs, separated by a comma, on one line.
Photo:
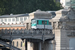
{"points": [[23, 35], [23, 23], [44, 22], [10, 38], [23, 26]]}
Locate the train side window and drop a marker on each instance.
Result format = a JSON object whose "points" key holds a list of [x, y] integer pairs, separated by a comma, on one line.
{"points": [[42, 22], [49, 23], [45, 22]]}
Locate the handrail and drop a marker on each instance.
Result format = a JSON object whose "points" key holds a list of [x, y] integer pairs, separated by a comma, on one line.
{"points": [[8, 45], [26, 32]]}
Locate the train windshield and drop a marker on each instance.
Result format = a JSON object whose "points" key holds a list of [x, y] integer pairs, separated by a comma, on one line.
{"points": [[33, 21]]}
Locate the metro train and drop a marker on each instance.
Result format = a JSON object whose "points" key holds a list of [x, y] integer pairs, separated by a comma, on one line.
{"points": [[41, 24]]}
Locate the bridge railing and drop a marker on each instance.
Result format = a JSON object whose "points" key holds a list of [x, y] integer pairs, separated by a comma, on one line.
{"points": [[25, 32]]}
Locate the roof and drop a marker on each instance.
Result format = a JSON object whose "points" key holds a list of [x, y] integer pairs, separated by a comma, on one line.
{"points": [[40, 19], [60, 14], [11, 15], [39, 11], [52, 12], [64, 14]]}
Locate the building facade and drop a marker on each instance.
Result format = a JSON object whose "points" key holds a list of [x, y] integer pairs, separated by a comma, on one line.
{"points": [[64, 29], [63, 2], [68, 3], [13, 21], [23, 21]]}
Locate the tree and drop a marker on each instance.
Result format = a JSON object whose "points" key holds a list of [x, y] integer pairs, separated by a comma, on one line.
{"points": [[27, 6]]}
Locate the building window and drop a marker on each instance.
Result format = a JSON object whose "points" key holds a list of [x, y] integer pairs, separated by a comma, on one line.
{"points": [[54, 24], [13, 43], [21, 44], [25, 18], [9, 20], [1, 20], [13, 19], [17, 43], [59, 24], [17, 19], [31, 44], [21, 19], [5, 20]]}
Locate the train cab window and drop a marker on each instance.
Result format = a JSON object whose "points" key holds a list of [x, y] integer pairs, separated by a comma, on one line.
{"points": [[37, 22], [33, 21], [49, 23]]}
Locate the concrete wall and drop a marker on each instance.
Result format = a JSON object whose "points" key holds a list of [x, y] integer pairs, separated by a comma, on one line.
{"points": [[30, 45], [61, 39], [48, 45], [19, 43]]}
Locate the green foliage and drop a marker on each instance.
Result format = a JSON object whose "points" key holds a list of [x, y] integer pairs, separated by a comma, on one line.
{"points": [[27, 6]]}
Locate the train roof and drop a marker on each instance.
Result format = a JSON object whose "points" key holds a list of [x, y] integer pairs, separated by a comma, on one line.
{"points": [[40, 19], [13, 15]]}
